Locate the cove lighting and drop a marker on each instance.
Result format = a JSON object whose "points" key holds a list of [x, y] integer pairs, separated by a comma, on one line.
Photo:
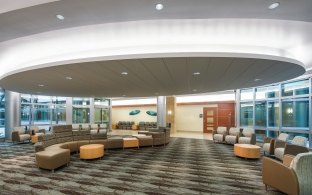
{"points": [[60, 17], [274, 5], [159, 6]]}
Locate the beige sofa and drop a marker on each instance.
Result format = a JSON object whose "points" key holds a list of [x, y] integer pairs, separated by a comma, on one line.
{"points": [[19, 135]]}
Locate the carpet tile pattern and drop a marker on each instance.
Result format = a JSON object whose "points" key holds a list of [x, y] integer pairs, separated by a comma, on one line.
{"points": [[184, 166]]}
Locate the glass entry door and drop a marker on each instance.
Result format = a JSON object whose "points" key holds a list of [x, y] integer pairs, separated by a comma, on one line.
{"points": [[210, 119], [101, 115]]}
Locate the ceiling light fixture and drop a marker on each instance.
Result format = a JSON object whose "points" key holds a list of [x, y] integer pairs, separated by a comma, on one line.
{"points": [[194, 90], [40, 85], [123, 95], [196, 73], [274, 5], [60, 17], [257, 80], [68, 78], [159, 6], [124, 73]]}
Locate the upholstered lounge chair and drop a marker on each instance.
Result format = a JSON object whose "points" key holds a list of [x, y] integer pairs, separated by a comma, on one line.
{"points": [[219, 134], [269, 143], [19, 135], [232, 138], [294, 179], [248, 136], [297, 145]]}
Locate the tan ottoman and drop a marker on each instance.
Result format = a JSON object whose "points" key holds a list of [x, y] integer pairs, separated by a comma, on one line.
{"points": [[130, 142], [91, 151], [247, 150], [52, 159]]}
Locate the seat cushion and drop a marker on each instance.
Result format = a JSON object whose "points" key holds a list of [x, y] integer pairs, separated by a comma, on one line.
{"points": [[266, 147], [279, 153], [231, 139], [24, 137], [218, 137], [244, 140]]}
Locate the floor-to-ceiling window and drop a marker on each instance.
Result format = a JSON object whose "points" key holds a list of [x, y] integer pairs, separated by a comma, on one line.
{"points": [[283, 107], [81, 110]]}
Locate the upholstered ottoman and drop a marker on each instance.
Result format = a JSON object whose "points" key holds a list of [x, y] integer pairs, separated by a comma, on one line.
{"points": [[144, 140], [91, 151], [52, 159]]}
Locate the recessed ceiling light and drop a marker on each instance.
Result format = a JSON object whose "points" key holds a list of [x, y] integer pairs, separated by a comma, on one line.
{"points": [[274, 5], [257, 80], [123, 95], [60, 17], [159, 6], [40, 85], [194, 90], [68, 78], [196, 73], [124, 73]]}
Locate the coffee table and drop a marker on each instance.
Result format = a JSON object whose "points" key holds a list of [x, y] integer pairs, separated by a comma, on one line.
{"points": [[247, 151], [91, 151]]}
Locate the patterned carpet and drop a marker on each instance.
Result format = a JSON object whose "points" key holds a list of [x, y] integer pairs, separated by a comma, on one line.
{"points": [[185, 166]]}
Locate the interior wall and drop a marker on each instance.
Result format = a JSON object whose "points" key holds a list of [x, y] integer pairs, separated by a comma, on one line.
{"points": [[122, 114], [187, 117]]}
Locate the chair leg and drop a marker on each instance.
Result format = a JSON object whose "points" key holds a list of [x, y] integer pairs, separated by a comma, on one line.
{"points": [[266, 187]]}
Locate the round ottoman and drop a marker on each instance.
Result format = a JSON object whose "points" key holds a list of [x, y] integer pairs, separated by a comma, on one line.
{"points": [[91, 151], [247, 150]]}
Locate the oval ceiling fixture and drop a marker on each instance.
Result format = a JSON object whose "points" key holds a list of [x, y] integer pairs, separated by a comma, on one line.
{"points": [[274, 5], [60, 17], [68, 78], [196, 73], [159, 6], [124, 73], [40, 85]]}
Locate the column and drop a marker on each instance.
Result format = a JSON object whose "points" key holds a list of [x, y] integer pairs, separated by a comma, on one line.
{"points": [[69, 110], [170, 111], [12, 112], [161, 111]]}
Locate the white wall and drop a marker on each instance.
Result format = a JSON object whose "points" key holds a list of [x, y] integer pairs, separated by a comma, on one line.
{"points": [[122, 114], [187, 117]]}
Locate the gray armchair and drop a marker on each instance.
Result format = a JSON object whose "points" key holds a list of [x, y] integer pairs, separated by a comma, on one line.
{"points": [[219, 134], [232, 138], [19, 135], [294, 179], [248, 136], [297, 145], [269, 143]]}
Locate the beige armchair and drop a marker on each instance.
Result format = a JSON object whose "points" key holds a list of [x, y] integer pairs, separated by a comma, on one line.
{"points": [[19, 135], [294, 179], [269, 143], [248, 136], [219, 134]]}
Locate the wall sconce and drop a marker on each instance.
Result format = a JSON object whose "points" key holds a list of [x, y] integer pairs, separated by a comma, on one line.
{"points": [[169, 112]]}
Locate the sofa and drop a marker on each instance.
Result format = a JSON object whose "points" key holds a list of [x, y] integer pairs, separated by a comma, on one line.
{"points": [[53, 150]]}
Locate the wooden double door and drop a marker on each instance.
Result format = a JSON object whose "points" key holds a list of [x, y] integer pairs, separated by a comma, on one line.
{"points": [[221, 115]]}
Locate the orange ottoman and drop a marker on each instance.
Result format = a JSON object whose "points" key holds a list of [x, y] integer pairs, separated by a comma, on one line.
{"points": [[91, 151], [247, 150]]}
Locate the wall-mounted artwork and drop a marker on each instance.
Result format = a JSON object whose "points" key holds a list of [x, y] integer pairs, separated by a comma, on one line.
{"points": [[134, 112], [151, 113]]}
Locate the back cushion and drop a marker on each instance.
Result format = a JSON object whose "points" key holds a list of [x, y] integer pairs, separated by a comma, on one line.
{"points": [[103, 126], [283, 136], [233, 131], [221, 130], [299, 140], [20, 130], [35, 128], [94, 126], [247, 132]]}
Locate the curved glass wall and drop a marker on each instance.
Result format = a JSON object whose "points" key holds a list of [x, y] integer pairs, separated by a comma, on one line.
{"points": [[2, 113]]}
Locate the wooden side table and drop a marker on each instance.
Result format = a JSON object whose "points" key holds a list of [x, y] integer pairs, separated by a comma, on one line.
{"points": [[34, 139]]}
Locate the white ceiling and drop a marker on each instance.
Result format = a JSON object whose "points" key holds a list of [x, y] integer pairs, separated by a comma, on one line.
{"points": [[163, 75]]}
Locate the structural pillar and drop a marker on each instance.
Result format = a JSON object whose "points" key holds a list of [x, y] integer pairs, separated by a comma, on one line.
{"points": [[170, 112], [161, 111], [12, 112]]}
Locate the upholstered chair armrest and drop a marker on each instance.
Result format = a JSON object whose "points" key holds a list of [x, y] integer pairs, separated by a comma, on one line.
{"points": [[279, 176], [15, 136], [279, 144], [253, 139], [295, 149]]}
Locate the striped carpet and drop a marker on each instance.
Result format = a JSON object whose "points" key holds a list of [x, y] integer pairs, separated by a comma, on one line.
{"points": [[185, 166]]}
